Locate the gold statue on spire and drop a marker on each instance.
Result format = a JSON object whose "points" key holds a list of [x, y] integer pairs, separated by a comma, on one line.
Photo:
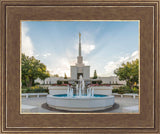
{"points": [[79, 35]]}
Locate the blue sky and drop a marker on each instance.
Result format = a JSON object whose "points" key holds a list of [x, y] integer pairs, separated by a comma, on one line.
{"points": [[105, 44]]}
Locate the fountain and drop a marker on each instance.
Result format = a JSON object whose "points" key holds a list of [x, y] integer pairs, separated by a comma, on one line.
{"points": [[80, 90], [83, 99]]}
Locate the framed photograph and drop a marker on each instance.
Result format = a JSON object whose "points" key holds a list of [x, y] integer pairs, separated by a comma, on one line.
{"points": [[80, 67]]}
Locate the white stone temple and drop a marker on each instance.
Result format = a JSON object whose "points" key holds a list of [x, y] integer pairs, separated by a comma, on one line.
{"points": [[80, 68]]}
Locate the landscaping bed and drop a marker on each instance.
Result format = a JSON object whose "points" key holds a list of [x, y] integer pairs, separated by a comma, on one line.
{"points": [[34, 89]]}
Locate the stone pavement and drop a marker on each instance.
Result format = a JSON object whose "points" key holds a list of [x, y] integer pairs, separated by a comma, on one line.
{"points": [[33, 105]]}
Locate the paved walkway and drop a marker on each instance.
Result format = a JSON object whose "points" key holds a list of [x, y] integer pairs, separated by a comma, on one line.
{"points": [[33, 105]]}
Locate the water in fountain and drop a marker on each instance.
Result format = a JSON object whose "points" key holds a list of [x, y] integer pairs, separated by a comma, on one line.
{"points": [[69, 92], [90, 92], [80, 89]]}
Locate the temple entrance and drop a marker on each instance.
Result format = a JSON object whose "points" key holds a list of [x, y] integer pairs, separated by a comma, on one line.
{"points": [[79, 75]]}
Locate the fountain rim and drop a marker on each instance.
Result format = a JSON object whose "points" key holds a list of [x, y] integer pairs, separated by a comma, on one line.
{"points": [[80, 98]]}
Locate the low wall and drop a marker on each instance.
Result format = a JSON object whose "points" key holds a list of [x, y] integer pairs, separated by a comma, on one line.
{"points": [[106, 90], [103, 87], [57, 89]]}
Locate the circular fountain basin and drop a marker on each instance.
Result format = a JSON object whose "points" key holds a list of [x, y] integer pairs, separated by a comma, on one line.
{"points": [[83, 103]]}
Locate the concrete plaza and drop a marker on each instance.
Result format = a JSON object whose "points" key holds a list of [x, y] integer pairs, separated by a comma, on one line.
{"points": [[34, 105]]}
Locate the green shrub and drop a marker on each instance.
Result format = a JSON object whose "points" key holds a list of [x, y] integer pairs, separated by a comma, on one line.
{"points": [[99, 82], [136, 90], [65, 82], [24, 90], [59, 82], [125, 89], [115, 90], [36, 83], [121, 91], [24, 83], [35, 89], [93, 82]]}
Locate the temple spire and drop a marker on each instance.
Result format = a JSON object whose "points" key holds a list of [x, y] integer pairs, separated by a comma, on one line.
{"points": [[80, 58], [79, 44]]}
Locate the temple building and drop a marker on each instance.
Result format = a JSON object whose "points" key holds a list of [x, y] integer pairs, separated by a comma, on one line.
{"points": [[80, 68]]}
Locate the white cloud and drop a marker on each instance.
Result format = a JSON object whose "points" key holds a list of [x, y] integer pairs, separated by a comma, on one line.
{"points": [[60, 65], [37, 55], [87, 48], [46, 55], [27, 45], [112, 65], [85, 62]]}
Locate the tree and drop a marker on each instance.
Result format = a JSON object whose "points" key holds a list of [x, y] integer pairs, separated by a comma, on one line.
{"points": [[56, 75], [65, 76], [129, 72], [32, 69], [95, 75]]}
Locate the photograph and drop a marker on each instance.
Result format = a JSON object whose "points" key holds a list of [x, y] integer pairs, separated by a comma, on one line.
{"points": [[80, 67]]}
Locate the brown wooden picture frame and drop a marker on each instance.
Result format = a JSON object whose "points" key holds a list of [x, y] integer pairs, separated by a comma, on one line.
{"points": [[14, 11]]}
